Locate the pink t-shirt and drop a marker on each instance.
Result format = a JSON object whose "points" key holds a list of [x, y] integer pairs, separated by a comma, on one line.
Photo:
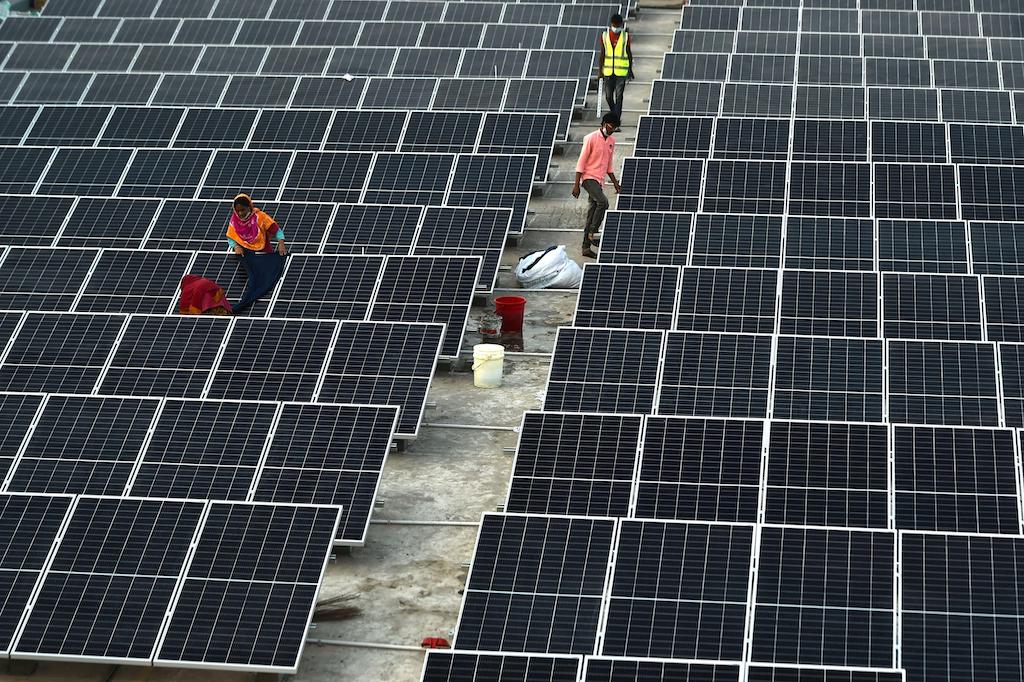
{"points": [[596, 157]]}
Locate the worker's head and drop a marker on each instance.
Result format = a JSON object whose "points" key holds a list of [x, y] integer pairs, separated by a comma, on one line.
{"points": [[616, 23], [243, 206], [609, 122]]}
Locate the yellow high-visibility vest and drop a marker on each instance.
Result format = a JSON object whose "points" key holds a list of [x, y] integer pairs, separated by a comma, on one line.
{"points": [[616, 57]]}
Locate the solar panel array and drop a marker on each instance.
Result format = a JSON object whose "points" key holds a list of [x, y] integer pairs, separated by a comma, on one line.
{"points": [[782, 440], [172, 486]]}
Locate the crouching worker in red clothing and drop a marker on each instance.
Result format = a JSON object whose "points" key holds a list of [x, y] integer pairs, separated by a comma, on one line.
{"points": [[596, 162]]}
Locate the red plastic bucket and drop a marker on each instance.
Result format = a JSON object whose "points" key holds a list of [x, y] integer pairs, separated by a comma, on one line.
{"points": [[511, 309]]}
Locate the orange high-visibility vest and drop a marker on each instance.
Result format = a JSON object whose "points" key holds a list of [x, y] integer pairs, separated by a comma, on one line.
{"points": [[616, 57]]}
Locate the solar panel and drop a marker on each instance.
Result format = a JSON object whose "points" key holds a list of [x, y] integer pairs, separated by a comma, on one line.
{"points": [[185, 459], [697, 607], [164, 356], [994, 250], [259, 174], [611, 669], [362, 369], [671, 136], [67, 126], [325, 176], [819, 243], [604, 370], [296, 352], [563, 567], [494, 180], [728, 300], [328, 287], [543, 96], [17, 412], [216, 128], [955, 479], [104, 222], [290, 130], [700, 469], [569, 464], [133, 282], [737, 241], [942, 382], [428, 289], [859, 579], [141, 127], [33, 221], [427, 61], [41, 87], [22, 168], [828, 379], [329, 454], [445, 666], [645, 237], [922, 246], [825, 474], [715, 375], [478, 94], [95, 172], [117, 556], [165, 173], [450, 231], [955, 620], [409, 178], [84, 446], [366, 131], [932, 306], [829, 303], [446, 132], [189, 89], [30, 525], [44, 279], [627, 296], [251, 560], [661, 184], [373, 229]]}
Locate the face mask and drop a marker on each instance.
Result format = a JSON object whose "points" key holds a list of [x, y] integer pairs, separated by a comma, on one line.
{"points": [[616, 29]]}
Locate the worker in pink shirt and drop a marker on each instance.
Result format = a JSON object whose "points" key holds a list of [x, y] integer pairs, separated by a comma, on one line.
{"points": [[596, 162]]}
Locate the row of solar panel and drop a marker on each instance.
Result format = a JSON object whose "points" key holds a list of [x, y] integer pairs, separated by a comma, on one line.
{"points": [[938, 246], [619, 371], [147, 447], [116, 579], [298, 61], [687, 590], [958, 479], [479, 180], [814, 302], [198, 225], [691, 98], [823, 188], [1005, 24], [340, 130], [924, 5], [846, 44], [184, 356], [307, 92], [576, 32], [421, 10], [826, 140], [312, 287], [449, 666], [968, 74]]}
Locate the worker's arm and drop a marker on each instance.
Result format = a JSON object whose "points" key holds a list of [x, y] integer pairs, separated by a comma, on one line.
{"points": [[279, 236], [615, 182], [580, 165]]}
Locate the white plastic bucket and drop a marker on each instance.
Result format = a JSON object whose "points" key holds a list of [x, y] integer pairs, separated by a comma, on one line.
{"points": [[488, 365]]}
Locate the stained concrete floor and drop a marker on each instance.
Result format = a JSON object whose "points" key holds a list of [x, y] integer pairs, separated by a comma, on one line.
{"points": [[407, 578]]}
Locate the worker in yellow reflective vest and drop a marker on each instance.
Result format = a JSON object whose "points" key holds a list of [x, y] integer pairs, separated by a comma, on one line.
{"points": [[615, 62]]}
